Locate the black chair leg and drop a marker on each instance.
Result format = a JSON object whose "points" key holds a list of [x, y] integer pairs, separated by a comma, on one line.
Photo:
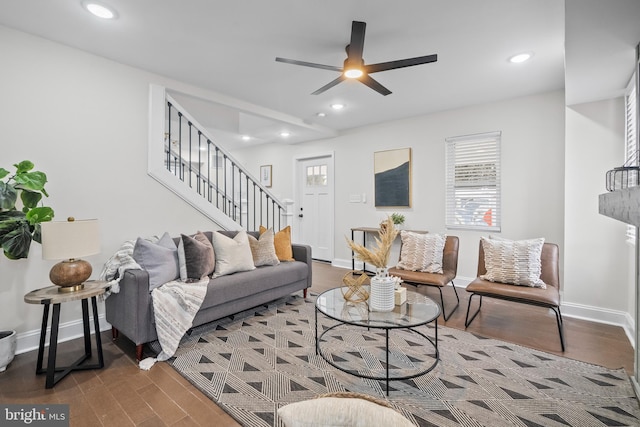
{"points": [[560, 325], [468, 321], [444, 314]]}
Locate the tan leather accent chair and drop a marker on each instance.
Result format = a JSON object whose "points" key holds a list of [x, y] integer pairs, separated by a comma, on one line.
{"points": [[449, 271], [548, 298]]}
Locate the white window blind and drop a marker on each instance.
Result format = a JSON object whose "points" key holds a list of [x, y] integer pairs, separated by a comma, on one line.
{"points": [[631, 139], [473, 182]]}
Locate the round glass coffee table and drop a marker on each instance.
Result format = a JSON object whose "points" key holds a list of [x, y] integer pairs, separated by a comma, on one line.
{"points": [[366, 353]]}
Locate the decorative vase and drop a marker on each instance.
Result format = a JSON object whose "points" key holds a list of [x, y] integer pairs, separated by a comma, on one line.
{"points": [[381, 296], [7, 348]]}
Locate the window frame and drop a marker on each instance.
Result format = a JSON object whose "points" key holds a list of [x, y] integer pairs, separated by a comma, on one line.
{"points": [[470, 152]]}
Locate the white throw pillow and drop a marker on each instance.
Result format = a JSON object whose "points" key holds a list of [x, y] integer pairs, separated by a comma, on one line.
{"points": [[232, 255], [421, 252], [340, 412], [515, 262]]}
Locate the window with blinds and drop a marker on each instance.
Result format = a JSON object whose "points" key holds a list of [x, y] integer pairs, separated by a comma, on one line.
{"points": [[631, 139], [473, 182]]}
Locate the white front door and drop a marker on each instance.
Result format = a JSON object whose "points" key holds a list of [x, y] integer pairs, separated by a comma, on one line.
{"points": [[315, 205]]}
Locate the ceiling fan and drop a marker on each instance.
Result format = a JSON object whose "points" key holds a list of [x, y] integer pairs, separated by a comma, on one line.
{"points": [[354, 66]]}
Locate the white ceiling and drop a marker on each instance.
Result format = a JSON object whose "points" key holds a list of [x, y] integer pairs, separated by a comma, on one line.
{"points": [[229, 47]]}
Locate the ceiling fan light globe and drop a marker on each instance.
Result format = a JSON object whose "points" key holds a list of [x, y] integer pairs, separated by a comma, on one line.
{"points": [[353, 73]]}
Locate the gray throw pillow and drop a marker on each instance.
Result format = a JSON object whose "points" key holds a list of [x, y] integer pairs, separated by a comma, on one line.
{"points": [[159, 259], [196, 256]]}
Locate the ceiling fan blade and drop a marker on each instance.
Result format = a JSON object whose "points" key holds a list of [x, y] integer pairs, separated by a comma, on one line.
{"points": [[401, 63], [356, 45], [329, 85], [369, 81], [309, 64]]}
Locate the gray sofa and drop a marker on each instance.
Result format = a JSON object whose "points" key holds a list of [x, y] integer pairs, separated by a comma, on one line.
{"points": [[130, 311]]}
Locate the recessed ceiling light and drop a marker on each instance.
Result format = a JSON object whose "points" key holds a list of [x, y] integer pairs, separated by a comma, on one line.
{"points": [[100, 9], [246, 137], [337, 106], [321, 114], [521, 57], [284, 134]]}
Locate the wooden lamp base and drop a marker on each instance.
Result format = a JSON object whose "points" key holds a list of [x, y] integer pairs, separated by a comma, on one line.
{"points": [[70, 274]]}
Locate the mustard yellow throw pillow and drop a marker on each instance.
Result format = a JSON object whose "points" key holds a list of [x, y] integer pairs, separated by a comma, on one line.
{"points": [[282, 243]]}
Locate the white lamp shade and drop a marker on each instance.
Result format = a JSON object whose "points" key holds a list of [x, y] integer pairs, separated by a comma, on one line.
{"points": [[70, 239]]}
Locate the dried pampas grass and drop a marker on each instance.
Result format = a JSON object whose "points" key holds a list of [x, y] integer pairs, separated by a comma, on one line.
{"points": [[379, 255]]}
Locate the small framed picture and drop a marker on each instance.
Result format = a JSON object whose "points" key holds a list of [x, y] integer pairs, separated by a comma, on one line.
{"points": [[265, 175]]}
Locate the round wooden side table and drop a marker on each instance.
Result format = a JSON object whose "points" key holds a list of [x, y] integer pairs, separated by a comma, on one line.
{"points": [[50, 296]]}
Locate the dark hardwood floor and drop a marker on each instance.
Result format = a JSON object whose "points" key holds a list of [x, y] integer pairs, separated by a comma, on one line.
{"points": [[123, 395]]}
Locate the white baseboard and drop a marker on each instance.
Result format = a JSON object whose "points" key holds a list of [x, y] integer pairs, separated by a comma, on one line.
{"points": [[30, 340], [601, 315]]}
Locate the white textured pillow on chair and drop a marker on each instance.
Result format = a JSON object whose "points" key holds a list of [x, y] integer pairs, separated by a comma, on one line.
{"points": [[515, 262], [340, 412], [232, 255], [421, 252]]}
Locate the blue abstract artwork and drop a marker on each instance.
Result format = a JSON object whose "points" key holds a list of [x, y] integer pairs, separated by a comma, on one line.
{"points": [[392, 170]]}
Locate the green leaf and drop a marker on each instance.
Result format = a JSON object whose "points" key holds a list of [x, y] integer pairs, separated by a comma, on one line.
{"points": [[8, 196], [33, 181], [24, 166], [3, 173], [30, 199], [40, 214], [37, 233], [16, 244]]}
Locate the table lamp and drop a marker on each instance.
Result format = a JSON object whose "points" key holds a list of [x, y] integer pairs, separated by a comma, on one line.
{"points": [[69, 240]]}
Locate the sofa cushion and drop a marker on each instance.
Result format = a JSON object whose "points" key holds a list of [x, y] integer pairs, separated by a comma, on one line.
{"points": [[231, 287], [282, 243], [263, 249], [159, 259], [196, 256], [232, 255], [515, 262], [421, 252]]}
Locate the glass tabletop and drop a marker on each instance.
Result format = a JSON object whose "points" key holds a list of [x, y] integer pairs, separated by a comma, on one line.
{"points": [[417, 310]]}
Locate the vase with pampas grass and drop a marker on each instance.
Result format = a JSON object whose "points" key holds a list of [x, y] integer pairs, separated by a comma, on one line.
{"points": [[381, 296]]}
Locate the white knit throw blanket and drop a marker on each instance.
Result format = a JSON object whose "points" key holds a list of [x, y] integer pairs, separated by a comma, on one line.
{"points": [[117, 264], [175, 303]]}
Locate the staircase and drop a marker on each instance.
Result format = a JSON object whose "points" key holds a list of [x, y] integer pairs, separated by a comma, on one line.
{"points": [[186, 160]]}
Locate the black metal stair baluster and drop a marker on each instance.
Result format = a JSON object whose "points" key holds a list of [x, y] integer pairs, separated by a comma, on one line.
{"points": [[217, 179], [190, 172], [199, 161], [169, 136], [181, 172], [208, 170]]}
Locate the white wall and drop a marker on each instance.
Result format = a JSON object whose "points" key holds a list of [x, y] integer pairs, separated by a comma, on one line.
{"points": [[83, 121], [532, 158], [597, 261]]}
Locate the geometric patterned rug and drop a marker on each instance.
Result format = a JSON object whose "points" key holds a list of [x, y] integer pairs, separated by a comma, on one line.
{"points": [[254, 362]]}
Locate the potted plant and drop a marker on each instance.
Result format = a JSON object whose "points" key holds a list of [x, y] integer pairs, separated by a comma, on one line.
{"points": [[18, 227], [397, 218], [381, 297]]}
